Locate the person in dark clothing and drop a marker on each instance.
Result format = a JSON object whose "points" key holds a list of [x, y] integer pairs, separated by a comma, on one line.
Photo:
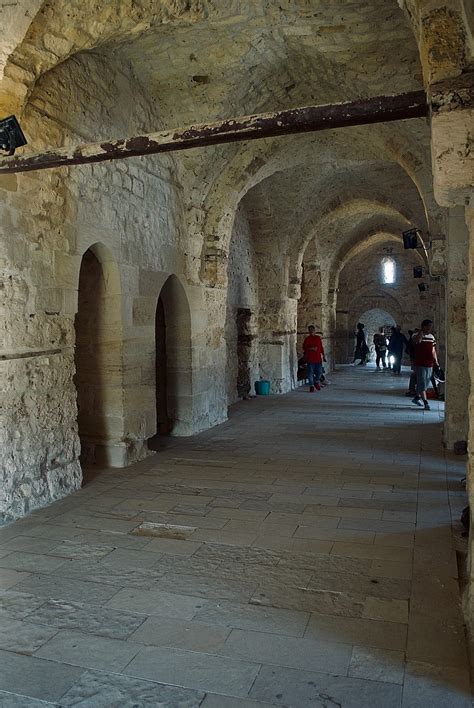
{"points": [[361, 350], [380, 344], [396, 346]]}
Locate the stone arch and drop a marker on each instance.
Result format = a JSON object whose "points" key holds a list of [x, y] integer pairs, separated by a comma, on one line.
{"points": [[99, 359], [254, 163], [361, 242], [339, 210], [373, 319], [173, 359], [346, 321]]}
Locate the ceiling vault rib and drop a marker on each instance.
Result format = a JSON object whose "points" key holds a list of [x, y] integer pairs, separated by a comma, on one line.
{"points": [[306, 119]]}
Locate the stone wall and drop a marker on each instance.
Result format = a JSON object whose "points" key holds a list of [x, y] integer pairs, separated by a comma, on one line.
{"points": [[457, 369], [130, 210]]}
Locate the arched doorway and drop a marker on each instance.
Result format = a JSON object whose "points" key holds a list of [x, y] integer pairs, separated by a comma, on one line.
{"points": [[98, 359], [374, 319], [173, 363]]}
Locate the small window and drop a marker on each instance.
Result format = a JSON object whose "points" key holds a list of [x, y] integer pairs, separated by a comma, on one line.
{"points": [[388, 271]]}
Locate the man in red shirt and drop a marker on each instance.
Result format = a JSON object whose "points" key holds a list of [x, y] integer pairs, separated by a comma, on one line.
{"points": [[314, 354], [425, 358]]}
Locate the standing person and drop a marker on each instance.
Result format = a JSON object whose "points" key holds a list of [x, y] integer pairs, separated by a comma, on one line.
{"points": [[380, 343], [314, 354], [361, 350], [396, 346], [425, 358]]}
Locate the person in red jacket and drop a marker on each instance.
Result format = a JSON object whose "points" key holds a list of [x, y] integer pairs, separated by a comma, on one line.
{"points": [[425, 359], [314, 354]]}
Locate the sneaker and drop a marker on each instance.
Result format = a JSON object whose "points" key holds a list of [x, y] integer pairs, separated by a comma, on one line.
{"points": [[318, 387], [417, 402], [311, 389], [427, 406]]}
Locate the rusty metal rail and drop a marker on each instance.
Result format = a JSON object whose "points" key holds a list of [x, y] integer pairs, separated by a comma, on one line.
{"points": [[264, 125]]}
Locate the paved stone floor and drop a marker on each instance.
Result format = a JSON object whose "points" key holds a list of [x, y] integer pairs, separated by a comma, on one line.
{"points": [[299, 555]]}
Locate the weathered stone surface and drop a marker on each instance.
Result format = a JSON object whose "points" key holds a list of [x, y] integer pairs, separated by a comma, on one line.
{"points": [[96, 687], [86, 618], [18, 605], [309, 689]]}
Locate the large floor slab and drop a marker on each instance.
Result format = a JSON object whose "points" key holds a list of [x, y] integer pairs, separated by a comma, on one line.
{"points": [[300, 555]]}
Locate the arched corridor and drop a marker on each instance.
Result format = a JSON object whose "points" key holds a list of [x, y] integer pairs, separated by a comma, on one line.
{"points": [[301, 550], [184, 188]]}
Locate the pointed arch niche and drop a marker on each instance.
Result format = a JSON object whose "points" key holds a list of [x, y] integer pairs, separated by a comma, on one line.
{"points": [[173, 363], [98, 359]]}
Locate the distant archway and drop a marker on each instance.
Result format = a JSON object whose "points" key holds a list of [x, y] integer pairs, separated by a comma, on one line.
{"points": [[374, 319], [173, 360], [98, 359]]}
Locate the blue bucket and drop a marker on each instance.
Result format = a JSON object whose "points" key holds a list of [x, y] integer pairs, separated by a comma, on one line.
{"points": [[262, 387]]}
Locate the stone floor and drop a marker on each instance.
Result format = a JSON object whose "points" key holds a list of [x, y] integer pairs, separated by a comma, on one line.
{"points": [[299, 555]]}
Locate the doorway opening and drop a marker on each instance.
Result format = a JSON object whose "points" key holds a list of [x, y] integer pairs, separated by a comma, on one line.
{"points": [[98, 360], [163, 422], [173, 363], [374, 319]]}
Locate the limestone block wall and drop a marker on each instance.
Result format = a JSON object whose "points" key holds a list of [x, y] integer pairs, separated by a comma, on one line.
{"points": [[40, 446], [133, 212], [242, 312]]}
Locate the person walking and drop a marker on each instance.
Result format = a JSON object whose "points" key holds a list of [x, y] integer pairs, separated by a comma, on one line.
{"points": [[314, 354], [380, 344], [425, 359], [396, 346], [361, 350]]}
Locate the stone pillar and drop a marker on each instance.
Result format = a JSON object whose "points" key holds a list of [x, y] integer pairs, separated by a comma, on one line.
{"points": [[342, 341], [329, 324], [277, 343], [452, 104], [211, 360], [469, 595], [451, 93], [317, 306], [457, 370], [309, 303]]}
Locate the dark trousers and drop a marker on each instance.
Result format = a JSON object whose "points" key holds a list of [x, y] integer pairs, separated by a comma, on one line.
{"points": [[380, 356], [397, 362]]}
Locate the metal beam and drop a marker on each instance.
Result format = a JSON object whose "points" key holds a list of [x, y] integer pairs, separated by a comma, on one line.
{"points": [[264, 125]]}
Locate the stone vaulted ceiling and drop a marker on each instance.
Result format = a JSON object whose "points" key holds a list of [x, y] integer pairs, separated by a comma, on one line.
{"points": [[199, 61]]}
